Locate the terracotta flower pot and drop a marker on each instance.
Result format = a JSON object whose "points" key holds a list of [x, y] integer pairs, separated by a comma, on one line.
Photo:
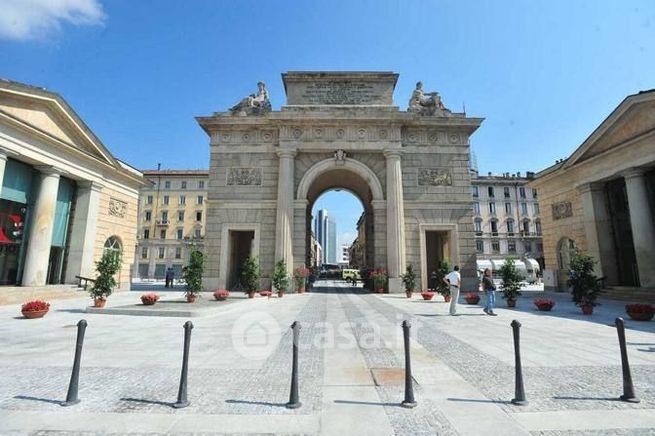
{"points": [[220, 298], [473, 299], [587, 309], [280, 294], [300, 290], [99, 302], [447, 298], [148, 302], [511, 302], [379, 290], [427, 296], [251, 294], [191, 298], [33, 314], [641, 316], [409, 294]]}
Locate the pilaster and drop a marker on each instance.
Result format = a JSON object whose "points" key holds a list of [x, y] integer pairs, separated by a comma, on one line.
{"points": [[641, 220], [395, 220]]}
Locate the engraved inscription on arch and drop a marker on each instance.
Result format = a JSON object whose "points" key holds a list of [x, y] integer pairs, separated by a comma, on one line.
{"points": [[244, 176], [434, 177]]}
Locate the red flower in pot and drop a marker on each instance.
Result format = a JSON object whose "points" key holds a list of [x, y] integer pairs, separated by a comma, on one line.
{"points": [[544, 304], [35, 309], [472, 298], [427, 295], [149, 299], [221, 294], [640, 312]]}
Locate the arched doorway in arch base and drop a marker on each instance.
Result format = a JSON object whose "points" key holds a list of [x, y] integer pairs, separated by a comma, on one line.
{"points": [[358, 179]]}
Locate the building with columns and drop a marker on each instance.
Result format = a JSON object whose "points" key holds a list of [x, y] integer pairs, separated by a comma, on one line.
{"points": [[65, 199], [339, 130], [601, 200], [171, 221]]}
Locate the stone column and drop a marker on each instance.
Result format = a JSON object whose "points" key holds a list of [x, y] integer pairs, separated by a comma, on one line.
{"points": [[643, 230], [83, 232], [284, 217], [598, 231], [41, 226], [395, 221]]}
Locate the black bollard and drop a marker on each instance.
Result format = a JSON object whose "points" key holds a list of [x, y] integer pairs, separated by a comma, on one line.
{"points": [[628, 388], [294, 401], [181, 394], [73, 387], [409, 401], [519, 393]]}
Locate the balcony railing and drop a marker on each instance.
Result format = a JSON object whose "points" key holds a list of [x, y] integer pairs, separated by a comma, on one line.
{"points": [[163, 222]]}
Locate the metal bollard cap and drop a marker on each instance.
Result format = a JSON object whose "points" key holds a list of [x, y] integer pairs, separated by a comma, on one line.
{"points": [[516, 324]]}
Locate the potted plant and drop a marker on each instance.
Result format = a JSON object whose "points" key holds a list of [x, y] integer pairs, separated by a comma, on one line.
{"points": [[427, 295], [280, 278], [35, 309], [544, 304], [149, 299], [379, 277], [640, 312], [300, 275], [409, 280], [265, 293], [440, 285], [511, 285], [192, 274], [583, 283], [472, 298], [221, 294], [250, 275], [107, 267]]}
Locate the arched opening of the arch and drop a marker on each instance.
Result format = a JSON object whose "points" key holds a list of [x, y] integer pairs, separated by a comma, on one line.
{"points": [[346, 180]]}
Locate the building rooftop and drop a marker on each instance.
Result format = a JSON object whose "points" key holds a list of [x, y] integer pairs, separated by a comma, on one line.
{"points": [[175, 172]]}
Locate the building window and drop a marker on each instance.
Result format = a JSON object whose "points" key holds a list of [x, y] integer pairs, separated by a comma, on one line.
{"points": [[113, 246], [144, 252], [526, 227], [524, 208], [167, 184], [522, 192], [180, 233], [506, 191], [200, 199], [479, 246], [198, 216], [146, 233], [536, 208], [511, 247], [476, 192], [182, 199], [528, 246], [196, 233], [478, 227], [537, 227], [490, 190], [149, 199], [148, 216], [164, 216], [161, 252], [183, 184], [476, 208], [510, 227], [180, 215], [494, 228], [166, 199], [495, 246], [201, 184], [508, 208], [162, 234], [178, 252], [492, 207], [534, 193]]}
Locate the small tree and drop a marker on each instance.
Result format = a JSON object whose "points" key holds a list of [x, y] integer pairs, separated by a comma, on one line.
{"points": [[107, 267], [442, 271], [511, 279], [409, 279], [192, 273], [280, 277], [582, 280], [250, 274]]}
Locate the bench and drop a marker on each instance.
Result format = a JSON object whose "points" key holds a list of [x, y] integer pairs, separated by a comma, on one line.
{"points": [[86, 281]]}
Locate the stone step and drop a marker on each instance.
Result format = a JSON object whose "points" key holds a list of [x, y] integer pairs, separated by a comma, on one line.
{"points": [[634, 295], [22, 294]]}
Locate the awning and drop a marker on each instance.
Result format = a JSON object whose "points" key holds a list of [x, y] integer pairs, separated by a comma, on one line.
{"points": [[484, 264], [533, 264]]}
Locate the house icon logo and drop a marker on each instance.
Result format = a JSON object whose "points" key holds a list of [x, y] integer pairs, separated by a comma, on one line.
{"points": [[255, 335]]}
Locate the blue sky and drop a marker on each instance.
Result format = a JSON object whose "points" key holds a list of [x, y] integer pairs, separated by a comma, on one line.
{"points": [[544, 74]]}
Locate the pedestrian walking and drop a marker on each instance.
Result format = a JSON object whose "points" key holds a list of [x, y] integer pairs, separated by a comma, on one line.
{"points": [[433, 281], [453, 280], [170, 276], [489, 291]]}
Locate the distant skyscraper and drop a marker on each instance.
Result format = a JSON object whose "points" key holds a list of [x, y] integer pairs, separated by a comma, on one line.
{"points": [[325, 229]]}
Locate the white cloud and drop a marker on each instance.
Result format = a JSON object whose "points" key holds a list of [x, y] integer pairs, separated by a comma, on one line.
{"points": [[34, 19]]}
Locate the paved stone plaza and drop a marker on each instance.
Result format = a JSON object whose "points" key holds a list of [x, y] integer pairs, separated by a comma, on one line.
{"points": [[351, 369]]}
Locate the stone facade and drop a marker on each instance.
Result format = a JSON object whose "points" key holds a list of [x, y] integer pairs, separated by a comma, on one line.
{"points": [[75, 198], [601, 200], [339, 130], [171, 221]]}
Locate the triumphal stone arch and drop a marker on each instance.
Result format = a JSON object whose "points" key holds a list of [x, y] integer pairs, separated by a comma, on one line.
{"points": [[339, 130]]}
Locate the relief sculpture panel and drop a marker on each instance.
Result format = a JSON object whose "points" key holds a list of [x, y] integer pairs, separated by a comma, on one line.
{"points": [[244, 176], [434, 177]]}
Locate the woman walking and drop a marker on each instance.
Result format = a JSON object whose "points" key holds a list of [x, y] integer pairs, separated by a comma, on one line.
{"points": [[489, 291]]}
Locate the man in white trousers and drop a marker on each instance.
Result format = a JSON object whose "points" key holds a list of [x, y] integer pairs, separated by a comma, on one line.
{"points": [[453, 279]]}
